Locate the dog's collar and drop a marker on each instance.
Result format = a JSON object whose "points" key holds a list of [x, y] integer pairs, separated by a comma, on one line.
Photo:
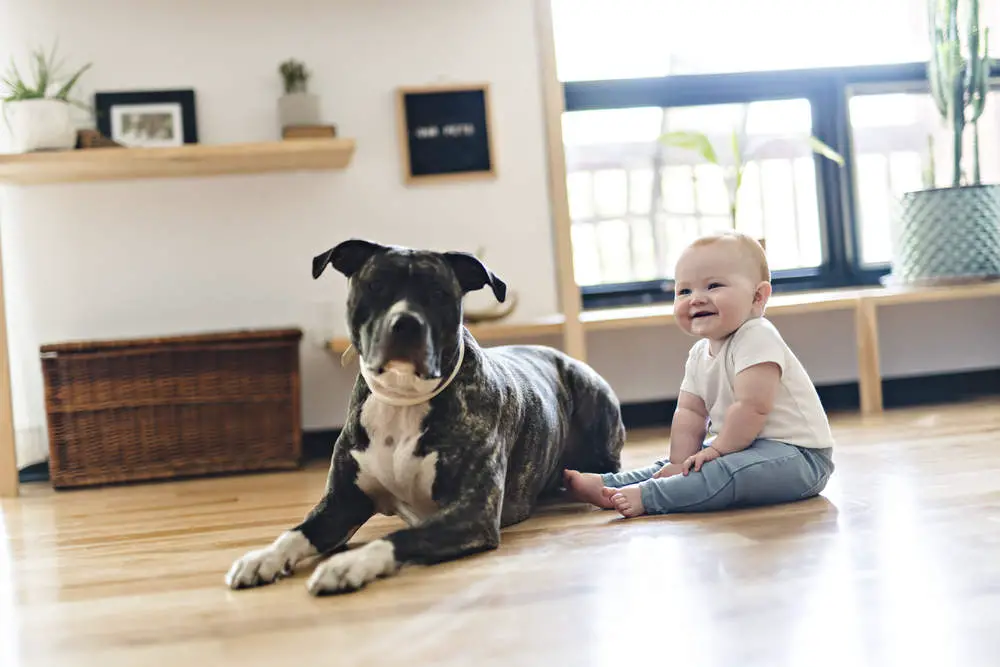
{"points": [[399, 400]]}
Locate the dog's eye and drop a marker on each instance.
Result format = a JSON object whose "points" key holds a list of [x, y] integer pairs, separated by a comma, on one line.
{"points": [[375, 286]]}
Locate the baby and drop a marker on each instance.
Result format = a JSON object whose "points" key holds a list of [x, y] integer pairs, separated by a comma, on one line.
{"points": [[749, 428]]}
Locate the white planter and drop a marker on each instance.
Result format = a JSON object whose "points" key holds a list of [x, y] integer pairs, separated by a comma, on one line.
{"points": [[298, 109], [36, 125]]}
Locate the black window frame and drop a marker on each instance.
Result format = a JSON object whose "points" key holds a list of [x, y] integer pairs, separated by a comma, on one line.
{"points": [[828, 91]]}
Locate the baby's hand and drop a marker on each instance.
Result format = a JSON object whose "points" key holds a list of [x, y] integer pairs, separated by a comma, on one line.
{"points": [[699, 459], [668, 470]]}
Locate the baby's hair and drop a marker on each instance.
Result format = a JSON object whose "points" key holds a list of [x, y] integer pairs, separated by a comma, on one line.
{"points": [[748, 247]]}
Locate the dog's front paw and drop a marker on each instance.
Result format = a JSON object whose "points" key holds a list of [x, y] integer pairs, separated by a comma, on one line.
{"points": [[267, 565], [351, 570]]}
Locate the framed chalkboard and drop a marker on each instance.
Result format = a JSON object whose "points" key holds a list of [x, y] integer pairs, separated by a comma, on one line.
{"points": [[445, 132]]}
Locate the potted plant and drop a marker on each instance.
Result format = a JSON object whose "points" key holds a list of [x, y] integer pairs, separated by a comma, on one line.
{"points": [[952, 233], [38, 114], [297, 106], [733, 174]]}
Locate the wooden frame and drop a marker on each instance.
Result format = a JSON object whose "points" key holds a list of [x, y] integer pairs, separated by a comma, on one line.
{"points": [[8, 450], [570, 299], [405, 93]]}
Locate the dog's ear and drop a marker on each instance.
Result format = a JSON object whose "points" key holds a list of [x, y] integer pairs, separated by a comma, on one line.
{"points": [[346, 257], [472, 274]]}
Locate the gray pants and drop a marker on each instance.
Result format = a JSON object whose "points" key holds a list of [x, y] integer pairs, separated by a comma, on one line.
{"points": [[765, 473]]}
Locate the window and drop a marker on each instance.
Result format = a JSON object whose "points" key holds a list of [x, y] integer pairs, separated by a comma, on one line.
{"points": [[636, 203], [633, 70]]}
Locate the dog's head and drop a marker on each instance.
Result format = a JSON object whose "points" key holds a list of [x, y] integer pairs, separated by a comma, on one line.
{"points": [[404, 306]]}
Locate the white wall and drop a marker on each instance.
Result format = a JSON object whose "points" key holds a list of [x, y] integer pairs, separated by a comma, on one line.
{"points": [[141, 258], [158, 257]]}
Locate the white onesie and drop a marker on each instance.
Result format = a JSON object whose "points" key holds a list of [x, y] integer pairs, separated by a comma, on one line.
{"points": [[797, 418]]}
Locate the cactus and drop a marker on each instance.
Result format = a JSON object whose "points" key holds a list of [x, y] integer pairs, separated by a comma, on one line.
{"points": [[958, 85]]}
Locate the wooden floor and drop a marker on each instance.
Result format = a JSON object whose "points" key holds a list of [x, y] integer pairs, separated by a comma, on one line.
{"points": [[898, 564]]}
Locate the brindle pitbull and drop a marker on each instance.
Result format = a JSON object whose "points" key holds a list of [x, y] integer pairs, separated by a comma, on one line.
{"points": [[458, 440]]}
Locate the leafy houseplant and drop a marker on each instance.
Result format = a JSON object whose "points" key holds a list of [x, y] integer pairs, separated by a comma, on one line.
{"points": [[733, 174], [952, 234], [38, 114], [297, 106]]}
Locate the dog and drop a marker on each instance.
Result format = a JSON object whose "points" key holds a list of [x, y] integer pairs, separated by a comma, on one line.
{"points": [[457, 440]]}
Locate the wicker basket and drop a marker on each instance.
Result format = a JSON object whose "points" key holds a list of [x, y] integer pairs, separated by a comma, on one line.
{"points": [[164, 408]]}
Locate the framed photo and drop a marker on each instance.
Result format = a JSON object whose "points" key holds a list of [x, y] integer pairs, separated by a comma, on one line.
{"points": [[147, 118], [445, 132]]}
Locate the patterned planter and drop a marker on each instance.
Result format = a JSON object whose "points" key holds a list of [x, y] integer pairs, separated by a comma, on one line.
{"points": [[947, 235]]}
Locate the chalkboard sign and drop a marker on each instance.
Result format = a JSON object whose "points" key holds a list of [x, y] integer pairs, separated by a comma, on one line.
{"points": [[445, 132]]}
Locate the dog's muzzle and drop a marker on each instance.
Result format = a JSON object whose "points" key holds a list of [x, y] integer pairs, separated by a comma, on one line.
{"points": [[405, 338]]}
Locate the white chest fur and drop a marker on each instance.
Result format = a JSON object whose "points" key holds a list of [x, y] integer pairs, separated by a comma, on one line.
{"points": [[398, 481]]}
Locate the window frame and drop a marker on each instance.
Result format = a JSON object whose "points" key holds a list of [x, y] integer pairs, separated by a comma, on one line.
{"points": [[828, 91]]}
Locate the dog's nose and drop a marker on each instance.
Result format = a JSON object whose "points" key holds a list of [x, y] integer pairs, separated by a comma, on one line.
{"points": [[407, 326]]}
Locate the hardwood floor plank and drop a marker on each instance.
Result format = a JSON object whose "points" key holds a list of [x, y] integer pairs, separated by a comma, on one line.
{"points": [[896, 564]]}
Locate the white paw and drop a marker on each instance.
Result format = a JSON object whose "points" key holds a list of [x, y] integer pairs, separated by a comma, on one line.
{"points": [[264, 566], [350, 570]]}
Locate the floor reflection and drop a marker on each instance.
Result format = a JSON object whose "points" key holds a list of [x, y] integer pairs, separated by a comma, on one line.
{"points": [[9, 620]]}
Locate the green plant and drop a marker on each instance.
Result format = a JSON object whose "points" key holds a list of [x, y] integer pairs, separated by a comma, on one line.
{"points": [[733, 174], [295, 76], [14, 88], [958, 84]]}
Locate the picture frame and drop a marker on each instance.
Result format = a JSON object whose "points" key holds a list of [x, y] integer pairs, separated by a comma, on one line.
{"points": [[446, 132], [147, 118]]}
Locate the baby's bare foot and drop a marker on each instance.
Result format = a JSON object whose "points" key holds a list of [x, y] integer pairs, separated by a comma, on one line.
{"points": [[587, 487], [628, 501]]}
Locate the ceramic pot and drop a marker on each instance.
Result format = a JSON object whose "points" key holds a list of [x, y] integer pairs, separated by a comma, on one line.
{"points": [[298, 109], [947, 235], [42, 124]]}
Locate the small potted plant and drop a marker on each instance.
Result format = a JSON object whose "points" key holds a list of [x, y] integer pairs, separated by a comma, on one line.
{"points": [[38, 114], [297, 106], [732, 174], [952, 233]]}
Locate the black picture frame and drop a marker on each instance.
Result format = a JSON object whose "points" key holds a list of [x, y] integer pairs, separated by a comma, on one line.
{"points": [[105, 103], [446, 132]]}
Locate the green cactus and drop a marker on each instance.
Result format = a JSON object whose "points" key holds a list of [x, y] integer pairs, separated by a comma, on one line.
{"points": [[958, 85]]}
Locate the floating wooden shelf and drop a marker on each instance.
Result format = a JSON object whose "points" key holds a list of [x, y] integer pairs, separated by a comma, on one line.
{"points": [[104, 164], [547, 326]]}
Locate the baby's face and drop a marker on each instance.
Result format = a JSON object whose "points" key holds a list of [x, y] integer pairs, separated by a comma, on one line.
{"points": [[714, 289]]}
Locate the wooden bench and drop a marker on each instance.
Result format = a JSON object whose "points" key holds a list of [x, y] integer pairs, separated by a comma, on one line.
{"points": [[863, 302]]}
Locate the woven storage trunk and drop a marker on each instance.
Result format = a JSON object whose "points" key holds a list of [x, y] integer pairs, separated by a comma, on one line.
{"points": [[163, 408]]}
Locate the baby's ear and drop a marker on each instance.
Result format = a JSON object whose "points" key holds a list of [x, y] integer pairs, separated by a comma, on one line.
{"points": [[762, 293]]}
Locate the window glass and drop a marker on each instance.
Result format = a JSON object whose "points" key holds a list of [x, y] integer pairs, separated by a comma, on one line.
{"points": [[892, 135], [635, 203], [615, 39]]}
